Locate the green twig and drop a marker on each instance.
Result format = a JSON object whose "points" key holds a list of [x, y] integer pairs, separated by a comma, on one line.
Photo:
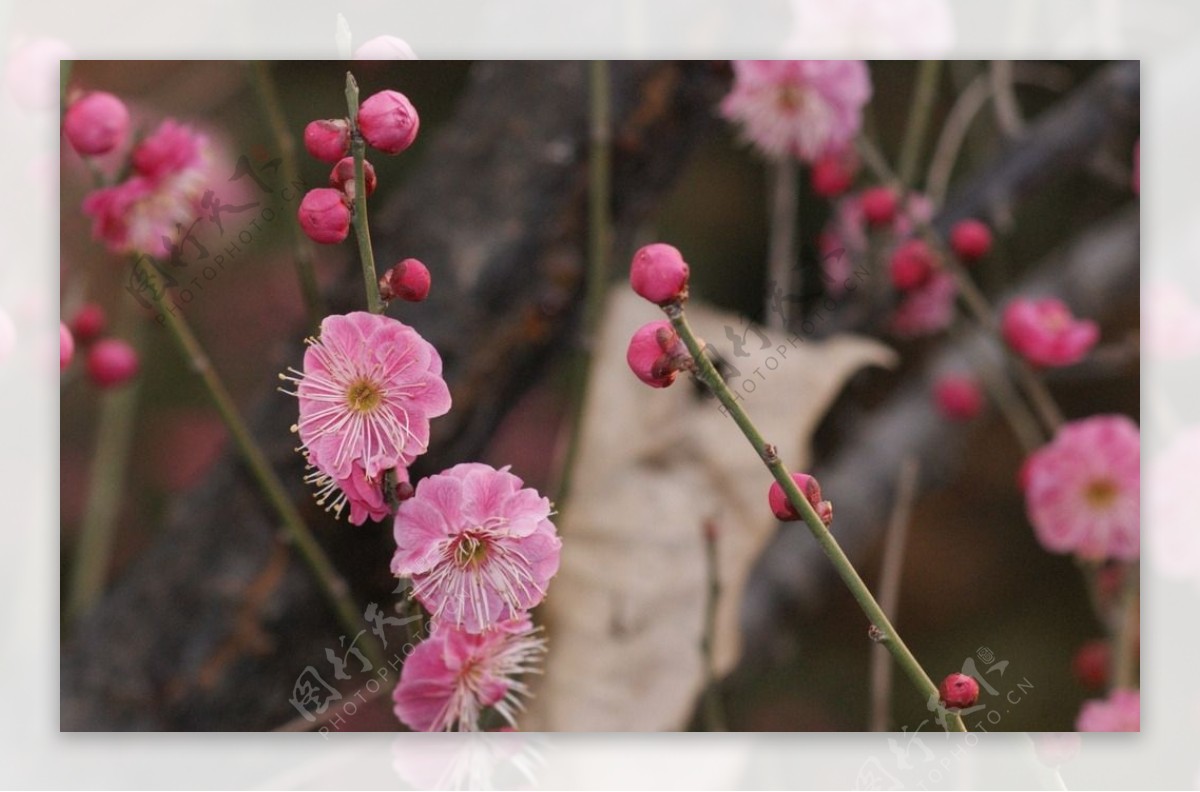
{"points": [[1126, 637], [106, 479], [332, 585], [362, 228], [714, 712], [829, 545], [918, 119], [781, 249], [286, 143]]}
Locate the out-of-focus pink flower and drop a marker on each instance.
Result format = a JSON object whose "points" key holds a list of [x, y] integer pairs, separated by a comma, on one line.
{"points": [[33, 71], [66, 343], [479, 548], [1056, 748], [384, 48], [879, 205], [912, 264], [96, 123], [1173, 509], [927, 310], [833, 172], [1171, 321], [1120, 712], [145, 212], [453, 676], [904, 28], [369, 387], [798, 108], [1045, 333], [1083, 489], [958, 396], [88, 323], [970, 240]]}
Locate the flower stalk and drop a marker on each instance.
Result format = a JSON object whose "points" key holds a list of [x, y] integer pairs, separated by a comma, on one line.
{"points": [[883, 627], [362, 228]]}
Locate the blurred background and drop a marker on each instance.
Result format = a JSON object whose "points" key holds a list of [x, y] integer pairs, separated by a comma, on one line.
{"points": [[973, 577]]}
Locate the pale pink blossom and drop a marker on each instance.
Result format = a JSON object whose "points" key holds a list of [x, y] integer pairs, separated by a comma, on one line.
{"points": [[384, 48], [1083, 489], [926, 310], [1044, 332], [362, 494], [798, 108], [1171, 322], [479, 548], [1173, 509], [146, 212], [369, 386], [33, 72], [453, 675], [1120, 712], [900, 28]]}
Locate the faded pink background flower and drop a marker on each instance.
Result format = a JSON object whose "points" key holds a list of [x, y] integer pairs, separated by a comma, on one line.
{"points": [[384, 48], [907, 28], [1171, 321], [927, 310], [1120, 712], [798, 108], [1083, 489], [453, 676], [369, 388], [144, 213], [479, 548], [1173, 508], [1044, 332]]}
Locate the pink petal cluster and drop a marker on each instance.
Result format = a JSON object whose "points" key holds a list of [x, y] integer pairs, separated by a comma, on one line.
{"points": [[1120, 712], [368, 389], [452, 676], [479, 547], [145, 212], [926, 310], [1083, 490], [798, 108], [1045, 333]]}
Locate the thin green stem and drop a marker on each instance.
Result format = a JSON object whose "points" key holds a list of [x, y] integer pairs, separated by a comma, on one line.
{"points": [[106, 480], [1126, 638], [829, 545], [332, 585], [714, 712], [599, 251], [919, 115], [286, 143], [362, 228]]}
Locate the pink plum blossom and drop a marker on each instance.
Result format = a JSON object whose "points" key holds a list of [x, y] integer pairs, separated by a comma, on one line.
{"points": [[369, 387], [1120, 712], [1045, 333], [145, 212], [1083, 489], [479, 548], [363, 495], [926, 310], [798, 108], [453, 675]]}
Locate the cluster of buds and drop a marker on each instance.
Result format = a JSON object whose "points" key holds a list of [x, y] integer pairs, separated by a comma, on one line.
{"points": [[387, 121], [657, 353], [110, 362]]}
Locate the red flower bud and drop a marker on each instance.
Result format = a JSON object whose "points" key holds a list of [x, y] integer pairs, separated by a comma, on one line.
{"points": [[1091, 664], [111, 362], [958, 691], [879, 205], [96, 123], [89, 323], [958, 397], [409, 280], [328, 139], [656, 354], [659, 274], [832, 175], [782, 508], [342, 176], [388, 121], [324, 215], [970, 240], [912, 265]]}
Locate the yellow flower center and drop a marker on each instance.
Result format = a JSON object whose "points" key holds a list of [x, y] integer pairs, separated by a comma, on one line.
{"points": [[1101, 493], [469, 551], [363, 396]]}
